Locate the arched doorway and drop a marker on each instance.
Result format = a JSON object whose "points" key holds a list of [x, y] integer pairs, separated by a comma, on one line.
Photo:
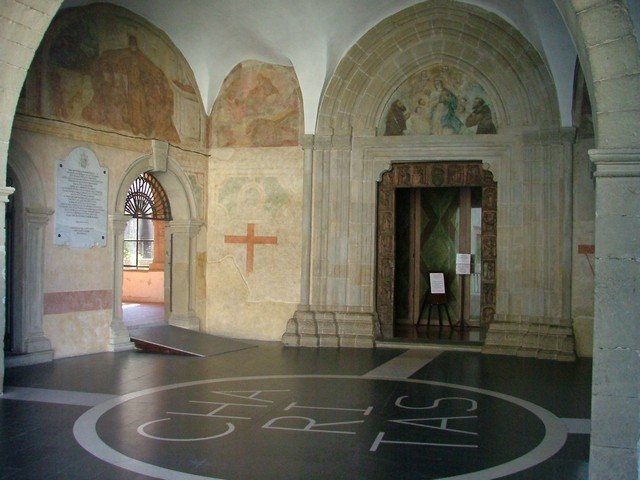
{"points": [[144, 260], [180, 231]]}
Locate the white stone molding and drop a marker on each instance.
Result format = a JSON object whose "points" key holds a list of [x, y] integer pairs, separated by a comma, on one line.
{"points": [[616, 162], [118, 334], [5, 192]]}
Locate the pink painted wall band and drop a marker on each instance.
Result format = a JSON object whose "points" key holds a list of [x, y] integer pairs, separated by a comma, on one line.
{"points": [[84, 301]]}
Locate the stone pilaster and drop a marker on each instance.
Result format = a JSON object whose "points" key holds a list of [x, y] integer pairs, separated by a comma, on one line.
{"points": [[533, 312], [615, 400], [307, 211], [119, 335], [183, 235], [34, 339], [326, 316]]}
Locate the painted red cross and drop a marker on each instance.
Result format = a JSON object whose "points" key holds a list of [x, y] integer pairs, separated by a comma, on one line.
{"points": [[250, 239]]}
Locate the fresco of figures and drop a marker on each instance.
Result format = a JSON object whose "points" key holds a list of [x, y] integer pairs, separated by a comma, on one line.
{"points": [[260, 105], [439, 100], [104, 67]]}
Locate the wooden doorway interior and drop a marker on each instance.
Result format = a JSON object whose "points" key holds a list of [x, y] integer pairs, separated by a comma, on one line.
{"points": [[425, 217]]}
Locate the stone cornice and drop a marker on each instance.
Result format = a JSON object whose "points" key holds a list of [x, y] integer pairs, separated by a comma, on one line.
{"points": [[87, 134], [616, 162], [552, 136], [561, 135]]}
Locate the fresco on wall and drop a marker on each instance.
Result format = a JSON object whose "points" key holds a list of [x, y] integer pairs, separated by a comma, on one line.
{"points": [[439, 100], [100, 66], [259, 106], [243, 193]]}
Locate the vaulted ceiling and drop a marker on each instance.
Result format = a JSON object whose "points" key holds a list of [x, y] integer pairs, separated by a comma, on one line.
{"points": [[313, 35]]}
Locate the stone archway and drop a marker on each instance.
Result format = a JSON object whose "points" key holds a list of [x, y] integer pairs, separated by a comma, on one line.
{"points": [[608, 49], [433, 174], [595, 27], [31, 218], [180, 233]]}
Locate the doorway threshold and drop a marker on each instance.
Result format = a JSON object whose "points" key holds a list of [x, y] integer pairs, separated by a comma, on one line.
{"points": [[420, 344]]}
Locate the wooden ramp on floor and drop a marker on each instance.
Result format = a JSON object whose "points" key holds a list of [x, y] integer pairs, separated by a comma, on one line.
{"points": [[180, 341]]}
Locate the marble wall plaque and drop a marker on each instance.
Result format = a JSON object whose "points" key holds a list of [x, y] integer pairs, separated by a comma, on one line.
{"points": [[81, 200]]}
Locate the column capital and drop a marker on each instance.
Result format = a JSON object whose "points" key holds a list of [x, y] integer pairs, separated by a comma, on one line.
{"points": [[38, 215], [306, 141], [119, 222], [5, 192], [616, 162], [190, 227]]}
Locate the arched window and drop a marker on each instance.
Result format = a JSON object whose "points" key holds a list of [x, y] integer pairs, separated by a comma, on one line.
{"points": [[146, 202]]}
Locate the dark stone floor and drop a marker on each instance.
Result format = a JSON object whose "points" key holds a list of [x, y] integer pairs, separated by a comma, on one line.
{"points": [[297, 413]]}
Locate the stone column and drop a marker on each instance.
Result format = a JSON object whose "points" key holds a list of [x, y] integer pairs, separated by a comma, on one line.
{"points": [[4, 198], [183, 235], [119, 335], [615, 403], [35, 342]]}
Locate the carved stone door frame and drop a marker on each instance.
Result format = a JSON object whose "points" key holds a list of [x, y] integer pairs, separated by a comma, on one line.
{"points": [[425, 175]]}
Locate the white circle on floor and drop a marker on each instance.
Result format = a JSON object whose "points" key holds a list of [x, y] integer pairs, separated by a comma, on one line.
{"points": [[86, 434]]}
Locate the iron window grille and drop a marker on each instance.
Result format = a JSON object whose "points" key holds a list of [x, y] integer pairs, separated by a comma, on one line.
{"points": [[146, 201]]}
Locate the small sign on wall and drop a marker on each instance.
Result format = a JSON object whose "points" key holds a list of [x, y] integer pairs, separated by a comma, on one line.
{"points": [[436, 283], [463, 264], [81, 200]]}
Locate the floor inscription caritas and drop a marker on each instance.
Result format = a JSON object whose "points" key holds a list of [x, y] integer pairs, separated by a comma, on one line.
{"points": [[320, 426]]}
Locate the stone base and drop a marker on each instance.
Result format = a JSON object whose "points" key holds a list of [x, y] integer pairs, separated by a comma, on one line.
{"points": [[119, 340], [530, 337], [37, 343], [583, 332], [190, 321], [33, 358], [325, 328]]}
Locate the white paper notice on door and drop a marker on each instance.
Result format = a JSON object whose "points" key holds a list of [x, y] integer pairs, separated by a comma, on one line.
{"points": [[463, 263], [436, 282]]}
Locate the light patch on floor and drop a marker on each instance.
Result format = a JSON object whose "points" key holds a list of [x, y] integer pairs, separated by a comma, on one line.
{"points": [[62, 397], [404, 365], [578, 425]]}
